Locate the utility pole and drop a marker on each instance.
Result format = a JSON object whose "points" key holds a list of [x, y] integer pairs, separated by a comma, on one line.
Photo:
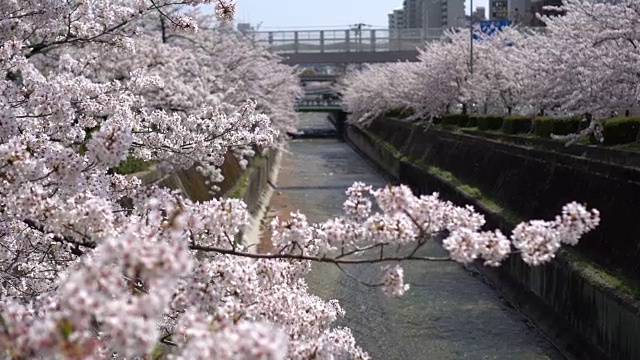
{"points": [[471, 37], [358, 30]]}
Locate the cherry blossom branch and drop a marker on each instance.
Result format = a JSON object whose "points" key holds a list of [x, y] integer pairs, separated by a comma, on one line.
{"points": [[320, 259], [356, 278], [339, 259], [40, 47], [164, 15], [62, 239]]}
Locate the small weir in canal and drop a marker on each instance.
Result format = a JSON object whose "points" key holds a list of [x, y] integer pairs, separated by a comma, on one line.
{"points": [[447, 314]]}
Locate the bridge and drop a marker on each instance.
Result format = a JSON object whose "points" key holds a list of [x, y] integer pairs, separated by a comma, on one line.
{"points": [[304, 78], [346, 46], [318, 104]]}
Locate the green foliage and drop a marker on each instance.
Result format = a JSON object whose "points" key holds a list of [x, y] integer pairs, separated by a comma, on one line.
{"points": [[633, 147], [464, 120], [543, 126], [447, 175], [489, 122], [474, 192], [473, 121], [241, 186], [612, 279], [87, 136], [449, 120], [621, 130], [66, 328], [455, 119], [132, 165], [399, 113], [566, 126], [470, 191], [516, 124]]}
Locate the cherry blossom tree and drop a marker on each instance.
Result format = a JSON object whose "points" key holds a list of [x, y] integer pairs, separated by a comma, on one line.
{"points": [[389, 83], [583, 63], [501, 74], [430, 86], [97, 265], [214, 66], [447, 67], [596, 71], [586, 62]]}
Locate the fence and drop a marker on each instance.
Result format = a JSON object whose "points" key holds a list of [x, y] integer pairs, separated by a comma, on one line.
{"points": [[328, 41]]}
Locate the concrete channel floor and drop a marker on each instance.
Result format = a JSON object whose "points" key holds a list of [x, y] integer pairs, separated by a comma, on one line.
{"points": [[447, 313]]}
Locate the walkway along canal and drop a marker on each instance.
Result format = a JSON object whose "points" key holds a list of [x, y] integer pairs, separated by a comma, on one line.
{"points": [[447, 314]]}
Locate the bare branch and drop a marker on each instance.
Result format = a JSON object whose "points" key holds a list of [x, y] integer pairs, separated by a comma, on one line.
{"points": [[321, 259]]}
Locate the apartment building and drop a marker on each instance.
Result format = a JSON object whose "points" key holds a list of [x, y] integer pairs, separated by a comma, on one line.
{"points": [[443, 14]]}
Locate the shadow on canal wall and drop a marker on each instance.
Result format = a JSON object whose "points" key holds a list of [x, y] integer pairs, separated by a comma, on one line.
{"points": [[594, 314], [248, 184]]}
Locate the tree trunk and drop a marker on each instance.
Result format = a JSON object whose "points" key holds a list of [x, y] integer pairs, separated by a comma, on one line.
{"points": [[587, 123], [164, 30]]}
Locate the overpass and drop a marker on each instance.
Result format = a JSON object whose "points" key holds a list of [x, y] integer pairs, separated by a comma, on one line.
{"points": [[319, 107], [319, 77], [319, 100], [346, 46]]}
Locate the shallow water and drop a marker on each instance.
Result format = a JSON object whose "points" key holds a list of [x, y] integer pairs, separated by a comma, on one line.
{"points": [[447, 314]]}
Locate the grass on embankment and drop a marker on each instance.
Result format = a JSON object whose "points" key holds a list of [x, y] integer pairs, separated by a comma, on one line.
{"points": [[240, 187], [132, 165]]}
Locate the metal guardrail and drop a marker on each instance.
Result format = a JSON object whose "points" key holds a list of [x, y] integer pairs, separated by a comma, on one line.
{"points": [[319, 108], [352, 40], [318, 77], [340, 41], [317, 105]]}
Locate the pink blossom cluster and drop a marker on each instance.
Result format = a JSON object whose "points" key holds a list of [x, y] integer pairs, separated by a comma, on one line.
{"points": [[97, 265], [393, 281], [406, 219], [583, 63]]}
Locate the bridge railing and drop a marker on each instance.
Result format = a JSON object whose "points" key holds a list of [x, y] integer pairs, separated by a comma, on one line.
{"points": [[319, 102], [327, 41]]}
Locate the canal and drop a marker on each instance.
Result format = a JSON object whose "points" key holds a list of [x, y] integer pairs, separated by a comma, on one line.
{"points": [[447, 314]]}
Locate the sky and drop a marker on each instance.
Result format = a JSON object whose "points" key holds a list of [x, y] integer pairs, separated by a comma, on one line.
{"points": [[318, 14]]}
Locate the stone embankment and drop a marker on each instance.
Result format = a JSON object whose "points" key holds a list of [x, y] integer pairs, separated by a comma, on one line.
{"points": [[585, 298], [252, 185]]}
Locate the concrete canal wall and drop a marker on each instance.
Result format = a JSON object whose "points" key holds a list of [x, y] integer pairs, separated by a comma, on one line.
{"points": [[586, 294], [251, 185], [247, 184]]}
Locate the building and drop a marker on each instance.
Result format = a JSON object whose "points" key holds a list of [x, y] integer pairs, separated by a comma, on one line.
{"points": [[397, 19], [245, 28], [413, 13], [537, 7], [427, 14], [498, 9], [443, 14], [479, 14], [520, 11]]}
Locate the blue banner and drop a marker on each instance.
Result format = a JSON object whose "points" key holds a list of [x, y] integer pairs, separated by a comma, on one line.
{"points": [[489, 27]]}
